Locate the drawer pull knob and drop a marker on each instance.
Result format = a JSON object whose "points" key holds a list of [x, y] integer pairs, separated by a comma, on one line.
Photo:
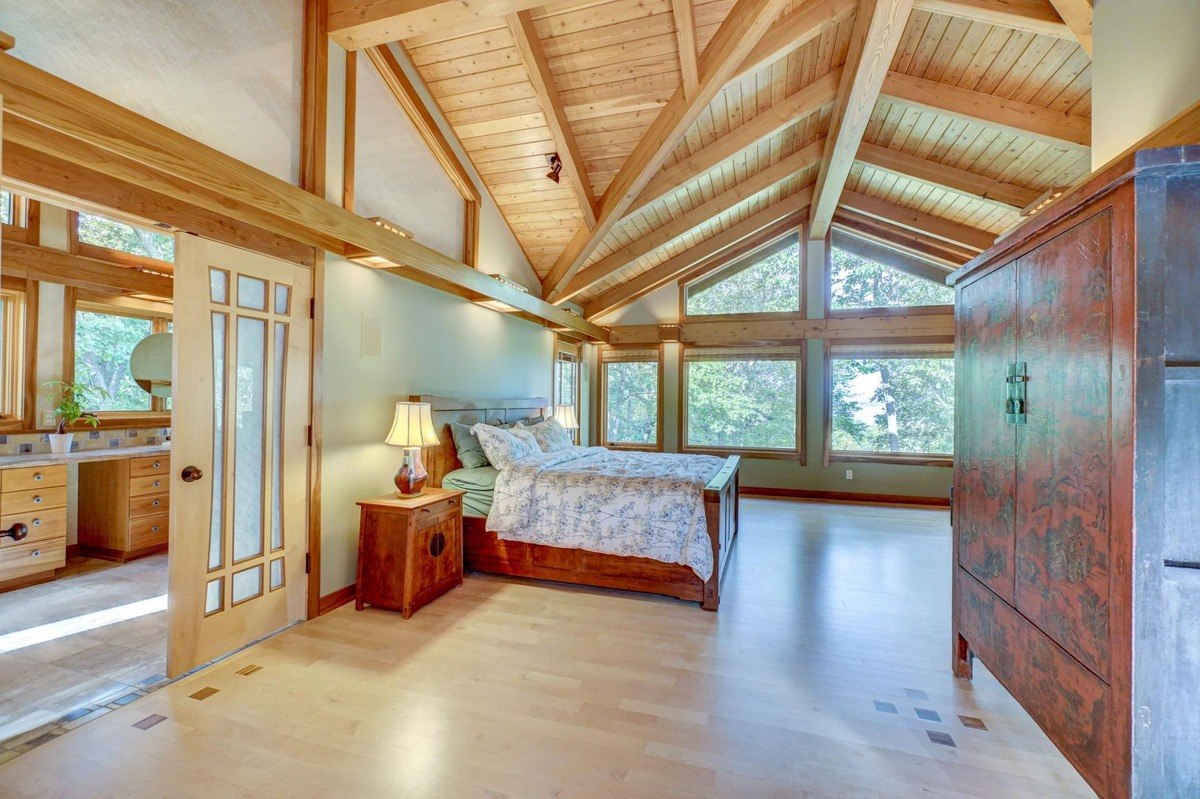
{"points": [[156, 502], [37, 522], [157, 484], [424, 510], [35, 553], [17, 532], [454, 502], [157, 465], [37, 500], [154, 529], [37, 477]]}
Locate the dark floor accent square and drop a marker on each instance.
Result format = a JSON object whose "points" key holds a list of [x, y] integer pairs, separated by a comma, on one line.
{"points": [[248, 670], [150, 721], [885, 707], [125, 700], [913, 693], [972, 722], [941, 738], [928, 715], [204, 693]]}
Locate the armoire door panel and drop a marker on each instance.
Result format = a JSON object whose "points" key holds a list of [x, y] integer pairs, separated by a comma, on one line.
{"points": [[985, 470], [1064, 449]]}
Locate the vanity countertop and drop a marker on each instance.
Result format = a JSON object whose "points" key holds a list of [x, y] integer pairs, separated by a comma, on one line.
{"points": [[82, 456]]}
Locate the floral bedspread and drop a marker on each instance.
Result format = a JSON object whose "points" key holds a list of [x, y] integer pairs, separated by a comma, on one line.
{"points": [[644, 504]]}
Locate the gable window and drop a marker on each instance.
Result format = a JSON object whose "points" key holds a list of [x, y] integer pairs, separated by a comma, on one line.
{"points": [[743, 399], [566, 377], [766, 281], [891, 402], [101, 237], [104, 337], [630, 401], [857, 283]]}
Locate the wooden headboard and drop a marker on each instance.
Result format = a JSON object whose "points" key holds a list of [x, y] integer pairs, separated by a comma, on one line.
{"points": [[443, 459]]}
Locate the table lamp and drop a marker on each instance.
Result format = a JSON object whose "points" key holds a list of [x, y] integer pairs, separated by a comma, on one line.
{"points": [[412, 429], [565, 414]]}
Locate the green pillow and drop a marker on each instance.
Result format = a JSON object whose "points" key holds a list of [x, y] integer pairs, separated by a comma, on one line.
{"points": [[470, 451]]}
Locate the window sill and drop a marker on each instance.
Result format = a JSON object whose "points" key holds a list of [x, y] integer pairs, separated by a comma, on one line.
{"points": [[894, 459], [762, 454], [906, 310], [117, 419], [633, 447]]}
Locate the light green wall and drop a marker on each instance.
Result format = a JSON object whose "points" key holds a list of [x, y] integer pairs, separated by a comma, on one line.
{"points": [[433, 343]]}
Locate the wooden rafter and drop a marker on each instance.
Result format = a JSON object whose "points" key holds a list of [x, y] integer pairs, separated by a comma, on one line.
{"points": [[685, 38], [917, 243], [1078, 16], [757, 183], [1059, 128], [882, 253], [947, 177], [314, 98], [741, 30], [792, 31], [878, 29], [954, 232], [7, 42], [1029, 16], [358, 24], [529, 47], [786, 112]]}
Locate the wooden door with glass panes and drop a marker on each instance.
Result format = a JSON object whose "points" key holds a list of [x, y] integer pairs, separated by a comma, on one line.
{"points": [[239, 493]]}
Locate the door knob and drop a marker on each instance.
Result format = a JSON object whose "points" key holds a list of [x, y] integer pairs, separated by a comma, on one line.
{"points": [[17, 532], [191, 474]]}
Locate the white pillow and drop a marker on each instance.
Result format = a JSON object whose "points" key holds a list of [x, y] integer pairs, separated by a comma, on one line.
{"points": [[502, 447], [551, 436]]}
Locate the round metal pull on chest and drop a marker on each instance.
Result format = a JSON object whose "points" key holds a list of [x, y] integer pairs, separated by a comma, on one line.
{"points": [[37, 500], [437, 544], [37, 478]]}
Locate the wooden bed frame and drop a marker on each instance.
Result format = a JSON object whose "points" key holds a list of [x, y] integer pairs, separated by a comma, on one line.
{"points": [[484, 551]]}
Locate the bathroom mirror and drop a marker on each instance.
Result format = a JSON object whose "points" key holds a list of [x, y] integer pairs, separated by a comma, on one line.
{"points": [[150, 364]]}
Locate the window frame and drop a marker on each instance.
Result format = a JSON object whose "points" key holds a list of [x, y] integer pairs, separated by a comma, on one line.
{"points": [[566, 346], [26, 220], [800, 356], [88, 250], [878, 311], [77, 300], [750, 259], [923, 348], [18, 396], [602, 404]]}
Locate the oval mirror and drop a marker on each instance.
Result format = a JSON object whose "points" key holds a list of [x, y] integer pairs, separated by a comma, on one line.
{"points": [[150, 364]]}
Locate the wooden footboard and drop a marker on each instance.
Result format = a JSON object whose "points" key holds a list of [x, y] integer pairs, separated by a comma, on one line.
{"points": [[485, 552]]}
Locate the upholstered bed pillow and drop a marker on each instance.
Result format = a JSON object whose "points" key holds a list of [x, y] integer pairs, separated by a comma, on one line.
{"points": [[470, 451], [502, 447], [551, 436]]}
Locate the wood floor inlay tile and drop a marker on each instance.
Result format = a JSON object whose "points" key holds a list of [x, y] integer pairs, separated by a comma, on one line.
{"points": [[928, 715], [886, 707], [972, 722], [248, 670], [204, 693], [940, 738], [150, 721]]}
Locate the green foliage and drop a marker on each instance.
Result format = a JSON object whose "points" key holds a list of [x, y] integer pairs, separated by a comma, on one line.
{"points": [[566, 374], [104, 232], [893, 405], [855, 282], [767, 286], [632, 394], [71, 401], [6, 208], [103, 345], [747, 404]]}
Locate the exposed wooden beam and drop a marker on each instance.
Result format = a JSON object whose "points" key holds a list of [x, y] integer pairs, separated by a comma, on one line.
{"points": [[350, 129], [954, 232], [409, 100], [911, 241], [685, 39], [793, 331], [903, 260], [792, 31], [529, 47], [741, 30], [358, 24], [757, 183], [1078, 16], [1059, 128], [779, 116], [44, 263], [878, 29], [1030, 16], [751, 232], [153, 157], [7, 42], [948, 177], [314, 97]]}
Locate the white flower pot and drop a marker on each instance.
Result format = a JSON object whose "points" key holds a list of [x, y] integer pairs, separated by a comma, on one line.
{"points": [[60, 443]]}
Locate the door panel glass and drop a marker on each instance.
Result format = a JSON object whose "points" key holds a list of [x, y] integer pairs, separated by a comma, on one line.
{"points": [[216, 527], [249, 438], [277, 573], [252, 293], [247, 584], [218, 286], [212, 595], [283, 299], [281, 333]]}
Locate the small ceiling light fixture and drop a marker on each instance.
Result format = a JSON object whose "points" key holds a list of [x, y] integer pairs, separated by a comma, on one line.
{"points": [[391, 227], [555, 167], [1038, 205]]}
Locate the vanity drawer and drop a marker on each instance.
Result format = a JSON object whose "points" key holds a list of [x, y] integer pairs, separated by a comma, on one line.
{"points": [[31, 557], [152, 465], [39, 499], [149, 504], [149, 531], [43, 525], [150, 484], [33, 477]]}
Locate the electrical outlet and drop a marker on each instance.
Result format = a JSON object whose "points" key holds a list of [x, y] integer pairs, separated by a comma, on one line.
{"points": [[47, 418], [849, 474]]}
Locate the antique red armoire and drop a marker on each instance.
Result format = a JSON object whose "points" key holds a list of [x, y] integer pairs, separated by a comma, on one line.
{"points": [[1077, 477]]}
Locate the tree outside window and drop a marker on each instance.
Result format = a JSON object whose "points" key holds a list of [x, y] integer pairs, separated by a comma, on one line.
{"points": [[768, 285], [855, 283], [631, 403], [6, 207], [103, 345], [741, 403], [892, 405], [110, 234]]}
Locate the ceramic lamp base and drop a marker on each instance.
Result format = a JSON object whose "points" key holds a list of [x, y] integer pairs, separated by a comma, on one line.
{"points": [[410, 480]]}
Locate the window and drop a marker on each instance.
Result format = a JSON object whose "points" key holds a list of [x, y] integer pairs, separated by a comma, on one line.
{"points": [[566, 377], [13, 350], [631, 385], [108, 238], [892, 402], [104, 340], [856, 283], [767, 281], [737, 399], [7, 208], [19, 216]]}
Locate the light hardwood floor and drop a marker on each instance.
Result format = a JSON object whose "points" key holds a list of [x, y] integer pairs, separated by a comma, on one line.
{"points": [[832, 617]]}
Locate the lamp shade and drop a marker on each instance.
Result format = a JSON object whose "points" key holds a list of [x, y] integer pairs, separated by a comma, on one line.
{"points": [[565, 414], [413, 426]]}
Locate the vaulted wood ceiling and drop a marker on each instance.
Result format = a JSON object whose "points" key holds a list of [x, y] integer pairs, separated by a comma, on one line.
{"points": [[690, 131]]}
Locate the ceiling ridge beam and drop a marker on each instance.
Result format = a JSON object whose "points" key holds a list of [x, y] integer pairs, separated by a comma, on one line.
{"points": [[793, 108], [944, 176], [745, 24], [1077, 14], [358, 24], [1029, 16], [749, 188], [529, 48], [1059, 128], [878, 29], [685, 39], [954, 232]]}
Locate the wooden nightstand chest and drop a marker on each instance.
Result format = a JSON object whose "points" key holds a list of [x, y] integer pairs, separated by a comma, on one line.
{"points": [[409, 550]]}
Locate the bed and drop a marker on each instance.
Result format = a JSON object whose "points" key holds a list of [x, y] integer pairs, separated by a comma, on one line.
{"points": [[487, 551]]}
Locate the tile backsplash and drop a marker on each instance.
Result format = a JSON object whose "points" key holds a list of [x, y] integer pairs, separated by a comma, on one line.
{"points": [[39, 443]]}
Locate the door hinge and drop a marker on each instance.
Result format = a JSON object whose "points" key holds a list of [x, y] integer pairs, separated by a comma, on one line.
{"points": [[308, 563], [312, 307]]}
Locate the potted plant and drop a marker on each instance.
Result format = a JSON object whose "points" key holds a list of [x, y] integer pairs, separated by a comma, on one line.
{"points": [[70, 399]]}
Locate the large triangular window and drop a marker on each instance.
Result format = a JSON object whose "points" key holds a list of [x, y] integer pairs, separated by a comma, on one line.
{"points": [[858, 281], [766, 281]]}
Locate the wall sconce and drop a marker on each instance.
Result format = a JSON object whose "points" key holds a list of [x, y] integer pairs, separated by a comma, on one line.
{"points": [[555, 167]]}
